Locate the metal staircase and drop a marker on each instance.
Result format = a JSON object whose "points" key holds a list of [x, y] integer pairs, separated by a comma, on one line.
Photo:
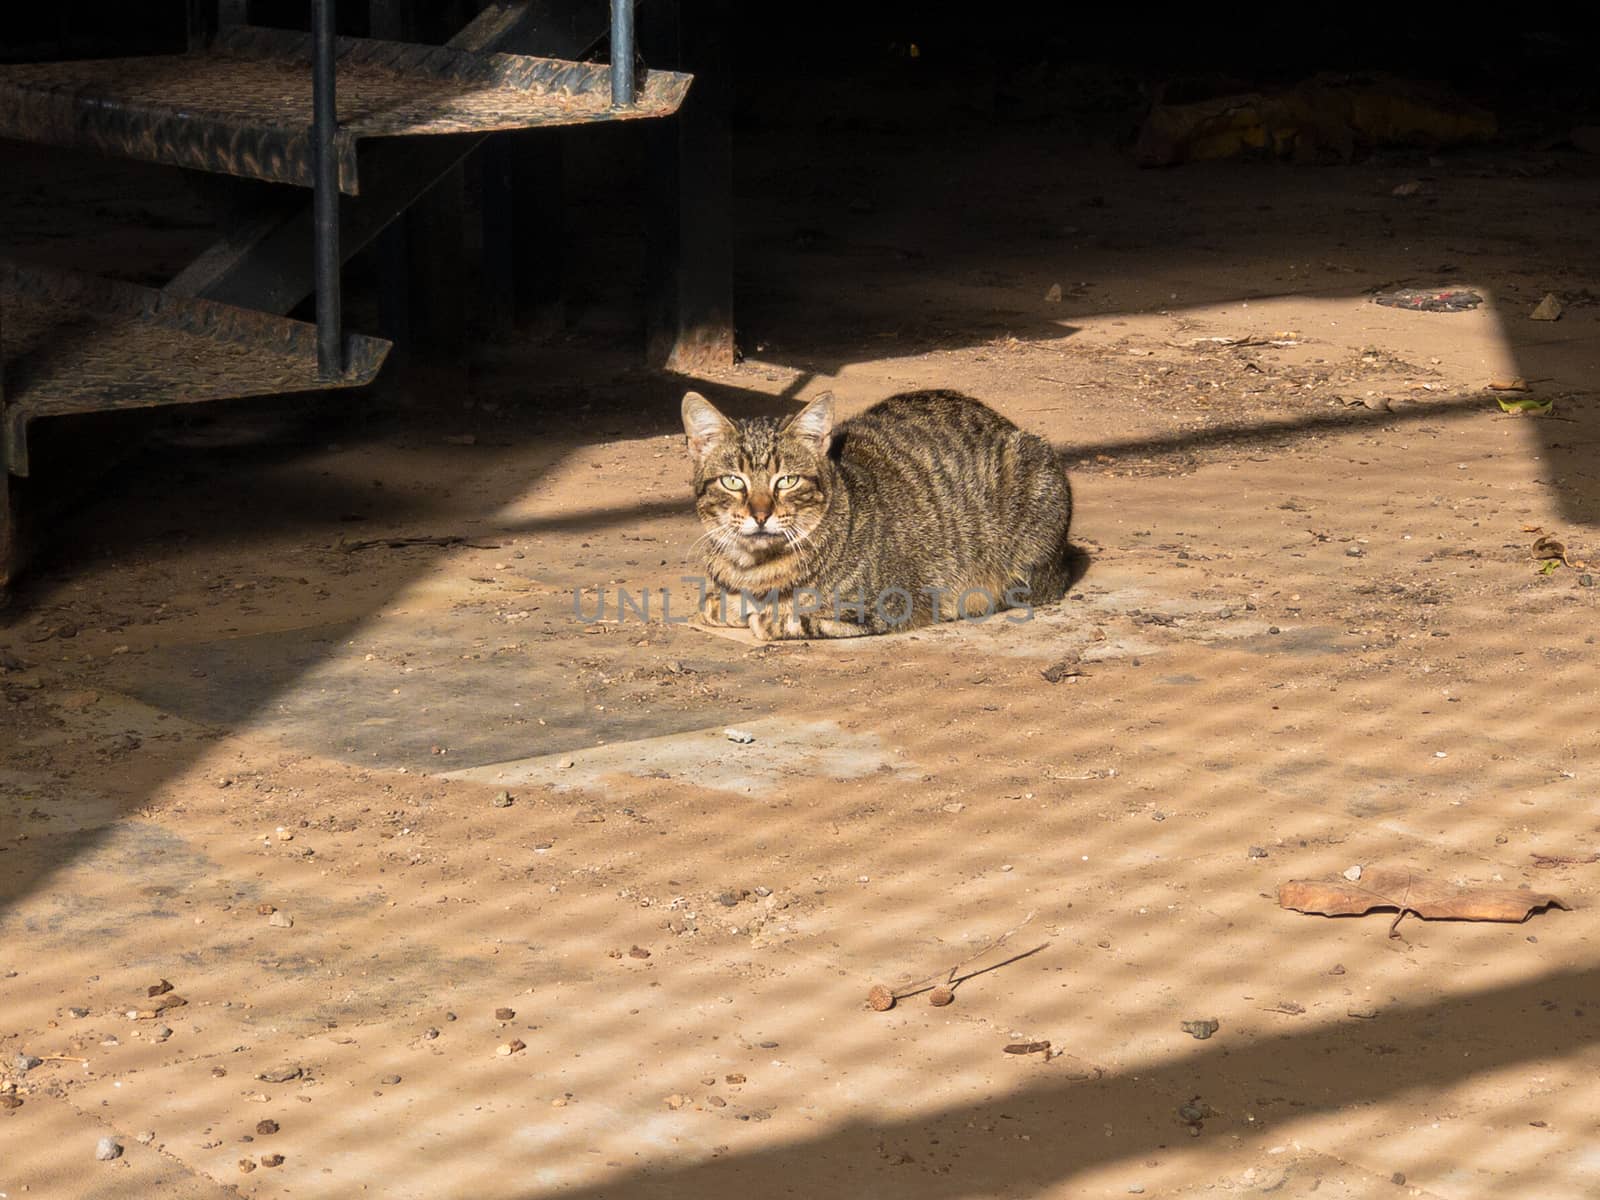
{"points": [[308, 110], [242, 107]]}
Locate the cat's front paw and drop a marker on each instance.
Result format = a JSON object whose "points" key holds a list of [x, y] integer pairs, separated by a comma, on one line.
{"points": [[722, 611], [770, 626]]}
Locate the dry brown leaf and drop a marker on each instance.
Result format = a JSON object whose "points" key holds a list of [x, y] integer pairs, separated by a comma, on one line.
{"points": [[1028, 1047], [1565, 860], [1548, 548], [1410, 892], [1509, 385]]}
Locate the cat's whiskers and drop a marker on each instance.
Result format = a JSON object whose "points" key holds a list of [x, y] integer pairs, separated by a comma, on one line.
{"points": [[720, 538], [798, 547], [798, 541], [703, 538]]}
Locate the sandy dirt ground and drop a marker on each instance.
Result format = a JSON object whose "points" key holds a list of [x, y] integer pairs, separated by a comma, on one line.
{"points": [[460, 895]]}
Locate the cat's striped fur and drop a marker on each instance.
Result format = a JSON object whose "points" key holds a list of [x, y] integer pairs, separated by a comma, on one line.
{"points": [[930, 496]]}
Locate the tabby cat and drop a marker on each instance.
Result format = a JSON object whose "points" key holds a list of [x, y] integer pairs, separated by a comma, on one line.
{"points": [[927, 507]]}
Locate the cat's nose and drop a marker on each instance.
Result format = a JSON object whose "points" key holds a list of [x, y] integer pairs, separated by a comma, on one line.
{"points": [[760, 515]]}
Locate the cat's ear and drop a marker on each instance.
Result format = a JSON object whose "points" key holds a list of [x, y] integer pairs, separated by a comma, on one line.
{"points": [[704, 424], [813, 423]]}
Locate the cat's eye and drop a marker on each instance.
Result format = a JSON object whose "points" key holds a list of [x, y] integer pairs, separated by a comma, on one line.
{"points": [[732, 482], [786, 482]]}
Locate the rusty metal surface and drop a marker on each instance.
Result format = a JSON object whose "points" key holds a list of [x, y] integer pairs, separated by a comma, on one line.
{"points": [[77, 344], [243, 106]]}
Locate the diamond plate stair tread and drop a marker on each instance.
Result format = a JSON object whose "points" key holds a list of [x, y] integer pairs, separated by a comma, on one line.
{"points": [[75, 344], [243, 106]]}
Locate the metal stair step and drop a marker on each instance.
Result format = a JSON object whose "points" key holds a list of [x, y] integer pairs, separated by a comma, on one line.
{"points": [[242, 106], [78, 344]]}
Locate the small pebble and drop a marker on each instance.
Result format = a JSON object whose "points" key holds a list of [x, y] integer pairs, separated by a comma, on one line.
{"points": [[77, 1013], [1362, 1012], [638, 952], [505, 1014], [501, 800], [389, 1080], [281, 920], [510, 1047], [107, 1149], [145, 1138], [246, 1165], [1256, 852], [23, 1063], [272, 1160], [716, 1102], [740, 736], [266, 910], [1353, 873], [266, 1127], [1136, 1189], [1202, 1029], [763, 892], [1353, 551], [1398, 1178], [1336, 969], [676, 1101], [559, 1102]]}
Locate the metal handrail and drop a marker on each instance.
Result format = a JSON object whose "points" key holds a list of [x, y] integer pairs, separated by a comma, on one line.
{"points": [[325, 191], [621, 53]]}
